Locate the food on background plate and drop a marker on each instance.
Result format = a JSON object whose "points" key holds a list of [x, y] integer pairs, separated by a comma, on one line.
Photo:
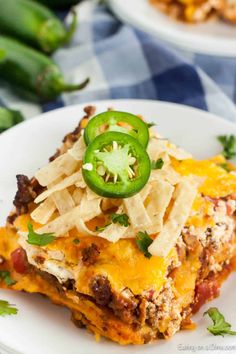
{"points": [[197, 11], [35, 25], [132, 261]]}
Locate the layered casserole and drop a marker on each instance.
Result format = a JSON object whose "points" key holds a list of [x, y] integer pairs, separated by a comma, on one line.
{"points": [[135, 266]]}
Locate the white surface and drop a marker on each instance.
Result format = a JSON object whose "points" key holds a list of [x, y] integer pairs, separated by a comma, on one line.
{"points": [[213, 37], [43, 328]]}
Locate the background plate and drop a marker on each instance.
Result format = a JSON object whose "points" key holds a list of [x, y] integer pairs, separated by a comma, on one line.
{"points": [[43, 328], [213, 37]]}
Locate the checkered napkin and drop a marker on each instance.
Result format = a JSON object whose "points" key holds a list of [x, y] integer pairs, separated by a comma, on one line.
{"points": [[123, 62]]}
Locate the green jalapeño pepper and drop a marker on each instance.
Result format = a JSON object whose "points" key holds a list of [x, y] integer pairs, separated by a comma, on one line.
{"points": [[116, 165], [34, 24], [9, 118], [117, 121], [31, 72], [59, 4]]}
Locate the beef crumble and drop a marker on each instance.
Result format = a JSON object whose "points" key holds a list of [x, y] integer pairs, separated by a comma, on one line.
{"points": [[101, 290], [72, 137], [90, 254], [26, 193], [2, 260]]}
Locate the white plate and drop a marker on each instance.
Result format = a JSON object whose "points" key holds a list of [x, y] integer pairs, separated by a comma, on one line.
{"points": [[213, 37], [43, 328]]}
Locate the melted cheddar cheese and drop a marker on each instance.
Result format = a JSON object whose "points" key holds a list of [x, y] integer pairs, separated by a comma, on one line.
{"points": [[125, 266], [217, 183], [122, 262]]}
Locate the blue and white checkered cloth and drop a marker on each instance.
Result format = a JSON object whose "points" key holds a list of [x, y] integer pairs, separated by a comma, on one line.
{"points": [[123, 62]]}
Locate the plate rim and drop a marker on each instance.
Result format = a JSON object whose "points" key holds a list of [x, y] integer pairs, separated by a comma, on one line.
{"points": [[208, 115], [190, 42]]}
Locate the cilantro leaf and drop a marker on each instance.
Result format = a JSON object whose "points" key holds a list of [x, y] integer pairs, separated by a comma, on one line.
{"points": [[229, 145], [5, 275], [7, 309], [76, 241], [151, 124], [220, 326], [122, 219], [39, 239], [225, 166], [101, 228], [157, 165], [143, 241]]}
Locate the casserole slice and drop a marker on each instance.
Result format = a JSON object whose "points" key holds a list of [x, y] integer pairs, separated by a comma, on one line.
{"points": [[137, 279]]}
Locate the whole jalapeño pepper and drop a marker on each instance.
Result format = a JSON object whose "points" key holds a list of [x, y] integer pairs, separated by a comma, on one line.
{"points": [[9, 118], [34, 24], [59, 4], [32, 72]]}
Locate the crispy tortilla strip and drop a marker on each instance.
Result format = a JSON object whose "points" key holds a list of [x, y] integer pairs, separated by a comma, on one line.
{"points": [[62, 224], [63, 201], [91, 195], [44, 211], [160, 198], [80, 183], [177, 152], [65, 183], [77, 195], [184, 196], [168, 174], [158, 146], [90, 208], [87, 210], [113, 232], [145, 191], [83, 229], [78, 149], [64, 164], [137, 212], [108, 203]]}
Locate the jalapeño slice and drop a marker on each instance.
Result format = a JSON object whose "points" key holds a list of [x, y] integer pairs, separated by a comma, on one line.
{"points": [[117, 121], [116, 165]]}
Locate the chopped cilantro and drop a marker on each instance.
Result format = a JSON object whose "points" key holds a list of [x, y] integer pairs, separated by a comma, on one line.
{"points": [[7, 309], [5, 275], [76, 241], [101, 228], [39, 239], [151, 124], [143, 241], [122, 219], [220, 326], [229, 145], [225, 166], [157, 165]]}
